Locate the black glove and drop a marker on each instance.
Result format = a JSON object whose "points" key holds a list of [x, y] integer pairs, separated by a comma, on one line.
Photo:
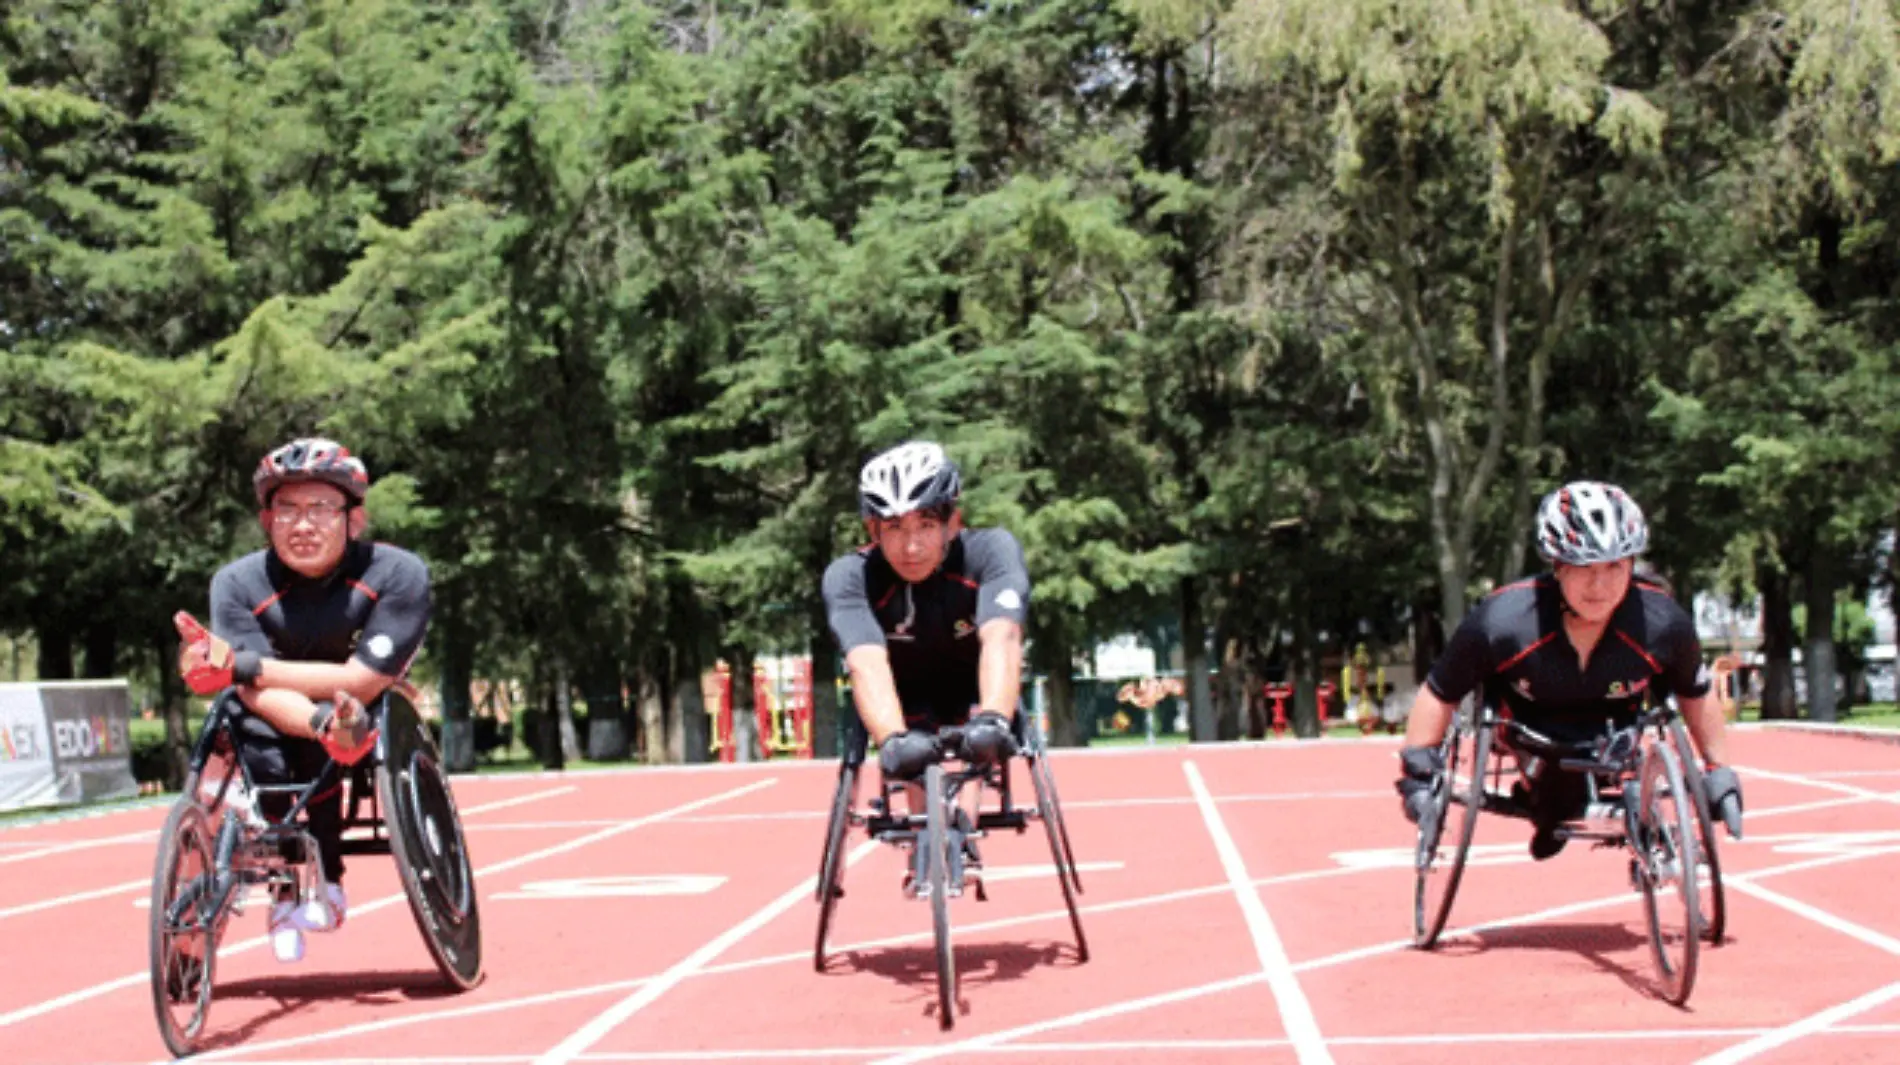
{"points": [[986, 739], [905, 755], [1724, 790], [1421, 766]]}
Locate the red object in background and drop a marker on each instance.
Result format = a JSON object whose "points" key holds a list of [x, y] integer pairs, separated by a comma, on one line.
{"points": [[1279, 693], [722, 724], [1327, 690]]}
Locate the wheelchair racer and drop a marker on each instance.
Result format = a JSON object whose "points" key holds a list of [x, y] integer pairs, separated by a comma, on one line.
{"points": [[929, 616], [308, 630], [1569, 653]]}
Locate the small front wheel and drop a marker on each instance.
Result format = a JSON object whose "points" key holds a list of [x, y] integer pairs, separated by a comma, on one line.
{"points": [[184, 927], [936, 844], [1667, 869]]}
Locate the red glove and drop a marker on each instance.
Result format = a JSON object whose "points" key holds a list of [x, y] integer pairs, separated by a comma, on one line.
{"points": [[348, 735], [204, 660]]}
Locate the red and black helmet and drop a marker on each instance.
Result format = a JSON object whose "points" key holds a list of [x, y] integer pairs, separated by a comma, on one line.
{"points": [[311, 458]]}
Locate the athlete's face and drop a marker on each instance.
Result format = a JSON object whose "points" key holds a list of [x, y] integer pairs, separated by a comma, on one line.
{"points": [[309, 526], [1595, 591], [915, 544]]}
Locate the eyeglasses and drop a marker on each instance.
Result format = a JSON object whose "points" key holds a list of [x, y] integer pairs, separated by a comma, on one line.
{"points": [[286, 515]]}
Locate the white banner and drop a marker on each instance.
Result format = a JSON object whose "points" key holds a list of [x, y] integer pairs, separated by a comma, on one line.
{"points": [[64, 743]]}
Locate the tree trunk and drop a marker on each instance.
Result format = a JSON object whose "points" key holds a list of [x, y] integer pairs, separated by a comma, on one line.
{"points": [[458, 708], [745, 731], [1777, 646], [607, 735], [1428, 639], [656, 741], [1202, 727], [55, 644], [1817, 656], [1054, 660], [1232, 691], [1305, 669], [564, 712], [826, 724], [171, 702], [102, 651]]}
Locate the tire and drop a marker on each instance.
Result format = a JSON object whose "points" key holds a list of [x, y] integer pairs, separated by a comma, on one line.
{"points": [[425, 838], [1457, 798], [1049, 811], [1666, 857], [183, 946], [1713, 903], [831, 864], [937, 872]]}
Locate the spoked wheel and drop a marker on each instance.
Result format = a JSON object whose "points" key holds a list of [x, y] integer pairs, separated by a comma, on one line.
{"points": [[831, 865], [1044, 776], [937, 875], [1666, 867], [425, 837], [1049, 810], [184, 930], [1444, 834], [1711, 903]]}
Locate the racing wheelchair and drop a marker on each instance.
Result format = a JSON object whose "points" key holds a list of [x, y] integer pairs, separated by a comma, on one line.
{"points": [[1646, 793], [217, 845], [940, 865]]}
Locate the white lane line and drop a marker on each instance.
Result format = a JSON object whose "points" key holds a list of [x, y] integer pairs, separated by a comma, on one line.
{"points": [[1295, 1011], [503, 804], [77, 896], [1877, 940], [1811, 1025], [79, 845], [72, 998], [597, 1029], [1825, 785]]}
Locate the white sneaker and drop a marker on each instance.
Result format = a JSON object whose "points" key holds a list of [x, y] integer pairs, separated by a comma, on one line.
{"points": [[286, 938], [324, 913]]}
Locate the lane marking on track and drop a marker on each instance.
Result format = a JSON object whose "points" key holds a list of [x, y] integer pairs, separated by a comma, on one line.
{"points": [[616, 887], [597, 1029], [77, 896], [1295, 1011], [80, 845], [73, 998], [519, 800], [1816, 782], [1807, 1026]]}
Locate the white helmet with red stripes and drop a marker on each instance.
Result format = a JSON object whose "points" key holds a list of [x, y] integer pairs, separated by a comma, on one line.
{"points": [[1587, 522]]}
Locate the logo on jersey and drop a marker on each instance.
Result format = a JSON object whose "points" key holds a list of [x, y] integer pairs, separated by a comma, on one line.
{"points": [[381, 645], [964, 628], [1620, 690], [1008, 600], [1524, 688]]}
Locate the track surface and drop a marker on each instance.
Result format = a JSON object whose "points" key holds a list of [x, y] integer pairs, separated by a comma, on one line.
{"points": [[1245, 903]]}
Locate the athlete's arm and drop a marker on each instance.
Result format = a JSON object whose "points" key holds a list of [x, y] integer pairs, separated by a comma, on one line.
{"points": [[873, 687], [1688, 680], [1002, 611], [1464, 665]]}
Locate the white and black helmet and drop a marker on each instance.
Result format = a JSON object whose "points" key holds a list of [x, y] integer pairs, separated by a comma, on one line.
{"points": [[912, 476], [1587, 522]]}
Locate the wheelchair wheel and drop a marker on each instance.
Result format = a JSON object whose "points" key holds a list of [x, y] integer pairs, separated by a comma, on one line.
{"points": [[936, 844], [1444, 835], [1049, 810], [425, 838], [1666, 868], [831, 865], [184, 930], [1712, 904], [1044, 777]]}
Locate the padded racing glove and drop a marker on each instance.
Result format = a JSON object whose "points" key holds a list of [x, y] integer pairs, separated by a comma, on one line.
{"points": [[986, 739], [905, 755], [206, 661], [1724, 791], [1419, 766], [344, 728]]}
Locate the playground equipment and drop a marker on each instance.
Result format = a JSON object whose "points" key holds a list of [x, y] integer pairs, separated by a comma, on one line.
{"points": [[783, 717]]}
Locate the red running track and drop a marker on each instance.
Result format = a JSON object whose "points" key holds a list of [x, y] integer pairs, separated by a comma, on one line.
{"points": [[1245, 903]]}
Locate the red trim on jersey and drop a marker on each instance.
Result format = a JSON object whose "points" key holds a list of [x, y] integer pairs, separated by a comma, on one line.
{"points": [[258, 610], [1525, 583], [887, 597], [1525, 653], [365, 589], [960, 579], [1625, 637]]}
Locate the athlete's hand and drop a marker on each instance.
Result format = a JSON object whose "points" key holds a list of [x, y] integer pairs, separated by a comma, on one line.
{"points": [[1724, 790], [204, 659], [986, 738], [346, 733], [905, 755], [1419, 767]]}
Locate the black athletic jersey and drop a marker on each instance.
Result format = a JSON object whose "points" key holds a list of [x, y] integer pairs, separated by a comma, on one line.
{"points": [[929, 629], [374, 606], [1513, 643]]}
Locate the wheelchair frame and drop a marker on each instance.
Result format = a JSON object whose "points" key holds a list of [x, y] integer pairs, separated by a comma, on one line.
{"points": [[1651, 765], [233, 846], [938, 869]]}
